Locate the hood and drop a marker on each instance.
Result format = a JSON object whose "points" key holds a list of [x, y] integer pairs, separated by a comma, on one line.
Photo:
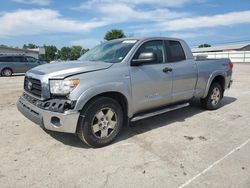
{"points": [[68, 68]]}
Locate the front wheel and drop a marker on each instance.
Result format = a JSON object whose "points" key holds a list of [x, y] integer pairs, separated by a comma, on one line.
{"points": [[101, 123], [214, 96]]}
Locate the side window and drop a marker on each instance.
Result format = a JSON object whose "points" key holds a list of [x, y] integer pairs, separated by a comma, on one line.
{"points": [[5, 59], [31, 59], [19, 59], [152, 46], [175, 51], [16, 59]]}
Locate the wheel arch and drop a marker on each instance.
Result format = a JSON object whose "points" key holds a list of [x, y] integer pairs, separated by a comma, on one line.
{"points": [[221, 80], [1, 71], [216, 77], [116, 95]]}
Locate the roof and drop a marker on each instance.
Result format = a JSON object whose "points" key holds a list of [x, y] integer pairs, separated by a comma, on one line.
{"points": [[19, 49], [148, 38], [221, 47], [11, 55]]}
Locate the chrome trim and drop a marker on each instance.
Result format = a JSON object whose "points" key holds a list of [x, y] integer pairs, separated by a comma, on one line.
{"points": [[168, 109], [45, 93]]}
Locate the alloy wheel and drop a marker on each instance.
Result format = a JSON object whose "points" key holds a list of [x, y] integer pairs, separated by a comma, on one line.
{"points": [[104, 123]]}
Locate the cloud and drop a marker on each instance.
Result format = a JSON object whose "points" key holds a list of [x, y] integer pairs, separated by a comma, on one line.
{"points": [[37, 21], [131, 11], [227, 19], [117, 13], [142, 17], [158, 15], [194, 23], [156, 3], [191, 35], [86, 43], [38, 2]]}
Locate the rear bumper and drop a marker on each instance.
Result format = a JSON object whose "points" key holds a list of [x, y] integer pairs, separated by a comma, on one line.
{"points": [[54, 121]]}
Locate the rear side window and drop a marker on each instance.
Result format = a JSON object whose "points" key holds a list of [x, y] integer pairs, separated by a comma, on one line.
{"points": [[5, 59], [19, 59], [175, 51]]}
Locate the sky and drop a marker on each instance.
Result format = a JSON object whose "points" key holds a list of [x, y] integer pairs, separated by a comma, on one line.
{"points": [[85, 22]]}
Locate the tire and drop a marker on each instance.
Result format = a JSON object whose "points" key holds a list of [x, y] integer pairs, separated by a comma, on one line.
{"points": [[101, 123], [214, 96], [6, 72]]}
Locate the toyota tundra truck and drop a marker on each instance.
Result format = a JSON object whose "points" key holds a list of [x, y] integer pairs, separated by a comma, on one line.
{"points": [[118, 82]]}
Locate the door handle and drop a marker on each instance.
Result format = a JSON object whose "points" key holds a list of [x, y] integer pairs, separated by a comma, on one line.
{"points": [[166, 70]]}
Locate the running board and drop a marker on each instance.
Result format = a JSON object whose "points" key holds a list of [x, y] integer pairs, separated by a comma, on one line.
{"points": [[162, 111]]}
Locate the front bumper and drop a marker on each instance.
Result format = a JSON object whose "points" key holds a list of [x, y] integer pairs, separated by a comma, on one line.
{"points": [[54, 121]]}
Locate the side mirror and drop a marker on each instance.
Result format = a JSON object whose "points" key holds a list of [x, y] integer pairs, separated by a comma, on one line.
{"points": [[144, 58]]}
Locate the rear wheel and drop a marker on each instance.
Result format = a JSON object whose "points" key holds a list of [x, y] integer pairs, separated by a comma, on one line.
{"points": [[102, 122], [6, 72], [213, 99]]}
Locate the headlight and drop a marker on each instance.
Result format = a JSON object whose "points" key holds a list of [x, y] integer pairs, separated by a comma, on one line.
{"points": [[62, 87]]}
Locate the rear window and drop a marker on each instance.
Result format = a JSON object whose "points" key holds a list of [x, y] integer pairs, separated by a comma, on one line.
{"points": [[175, 51], [5, 59]]}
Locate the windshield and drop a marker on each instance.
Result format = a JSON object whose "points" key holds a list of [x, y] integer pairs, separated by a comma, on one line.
{"points": [[111, 52]]}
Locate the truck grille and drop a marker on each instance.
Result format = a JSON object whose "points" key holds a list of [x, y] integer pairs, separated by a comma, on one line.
{"points": [[33, 86]]}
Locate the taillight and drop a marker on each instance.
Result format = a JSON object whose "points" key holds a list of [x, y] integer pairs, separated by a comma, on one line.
{"points": [[231, 65]]}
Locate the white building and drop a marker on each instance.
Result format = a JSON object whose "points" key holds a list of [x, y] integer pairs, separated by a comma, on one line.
{"points": [[17, 51], [236, 52]]}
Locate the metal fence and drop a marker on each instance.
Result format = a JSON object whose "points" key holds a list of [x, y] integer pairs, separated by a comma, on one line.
{"points": [[234, 56]]}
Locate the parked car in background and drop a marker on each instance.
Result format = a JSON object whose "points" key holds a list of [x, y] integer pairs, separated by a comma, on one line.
{"points": [[10, 64]]}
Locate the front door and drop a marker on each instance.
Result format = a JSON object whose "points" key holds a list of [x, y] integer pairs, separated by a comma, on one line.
{"points": [[151, 86]]}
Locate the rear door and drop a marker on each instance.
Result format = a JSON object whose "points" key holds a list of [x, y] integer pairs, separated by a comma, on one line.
{"points": [[151, 87], [184, 71], [19, 64]]}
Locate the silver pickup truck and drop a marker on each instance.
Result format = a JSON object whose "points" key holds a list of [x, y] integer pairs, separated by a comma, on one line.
{"points": [[120, 81]]}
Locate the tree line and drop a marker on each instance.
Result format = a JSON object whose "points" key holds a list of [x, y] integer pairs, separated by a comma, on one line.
{"points": [[66, 52], [73, 52], [53, 53]]}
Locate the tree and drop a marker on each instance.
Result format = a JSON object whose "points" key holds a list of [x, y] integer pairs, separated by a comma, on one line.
{"points": [[71, 53], [64, 53], [84, 50], [3, 45], [75, 52], [204, 45], [114, 34], [30, 46], [51, 53]]}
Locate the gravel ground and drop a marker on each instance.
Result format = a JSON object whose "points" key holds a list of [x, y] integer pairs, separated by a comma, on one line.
{"points": [[189, 147]]}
